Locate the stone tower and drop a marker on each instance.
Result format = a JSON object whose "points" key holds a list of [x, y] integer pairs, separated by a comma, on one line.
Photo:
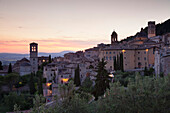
{"points": [[34, 57], [151, 29], [113, 37]]}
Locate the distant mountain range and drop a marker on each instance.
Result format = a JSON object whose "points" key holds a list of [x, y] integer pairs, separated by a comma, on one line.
{"points": [[7, 58]]}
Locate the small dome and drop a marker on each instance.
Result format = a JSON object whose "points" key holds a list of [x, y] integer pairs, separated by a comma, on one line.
{"points": [[33, 43]]}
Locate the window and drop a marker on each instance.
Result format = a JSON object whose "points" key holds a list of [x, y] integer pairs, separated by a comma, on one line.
{"points": [[144, 52], [106, 58], [144, 58], [106, 52], [110, 52], [153, 50], [138, 58], [33, 48], [124, 57], [138, 52], [110, 58], [113, 52]]}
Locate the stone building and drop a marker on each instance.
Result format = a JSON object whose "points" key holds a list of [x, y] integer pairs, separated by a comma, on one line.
{"points": [[23, 67], [137, 53], [92, 52], [42, 59], [162, 56]]}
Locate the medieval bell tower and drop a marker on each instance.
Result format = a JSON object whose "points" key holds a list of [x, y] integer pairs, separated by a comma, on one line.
{"points": [[151, 29], [34, 57], [113, 37]]}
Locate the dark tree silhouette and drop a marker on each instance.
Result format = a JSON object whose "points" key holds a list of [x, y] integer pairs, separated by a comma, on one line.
{"points": [[32, 84], [115, 64], [102, 80], [1, 67], [121, 62], [50, 59], [10, 68], [40, 81], [77, 76]]}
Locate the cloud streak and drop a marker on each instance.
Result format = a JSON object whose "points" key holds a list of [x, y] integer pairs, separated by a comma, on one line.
{"points": [[48, 44]]}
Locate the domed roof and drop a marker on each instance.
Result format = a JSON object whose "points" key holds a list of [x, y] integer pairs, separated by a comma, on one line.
{"points": [[114, 33], [33, 43]]}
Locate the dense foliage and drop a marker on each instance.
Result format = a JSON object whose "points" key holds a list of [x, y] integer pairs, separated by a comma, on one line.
{"points": [[23, 101], [143, 94]]}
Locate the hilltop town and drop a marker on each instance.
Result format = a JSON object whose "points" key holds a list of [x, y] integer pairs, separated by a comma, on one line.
{"points": [[142, 52]]}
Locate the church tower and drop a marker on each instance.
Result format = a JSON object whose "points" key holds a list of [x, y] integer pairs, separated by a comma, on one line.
{"points": [[151, 29], [34, 57], [113, 37]]}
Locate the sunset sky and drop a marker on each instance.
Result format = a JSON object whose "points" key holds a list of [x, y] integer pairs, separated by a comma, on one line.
{"points": [[58, 25]]}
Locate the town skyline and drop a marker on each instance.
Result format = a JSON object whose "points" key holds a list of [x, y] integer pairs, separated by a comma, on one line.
{"points": [[73, 25]]}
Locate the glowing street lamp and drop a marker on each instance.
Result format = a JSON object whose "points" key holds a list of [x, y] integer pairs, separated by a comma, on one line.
{"points": [[123, 50], [48, 84], [112, 76]]}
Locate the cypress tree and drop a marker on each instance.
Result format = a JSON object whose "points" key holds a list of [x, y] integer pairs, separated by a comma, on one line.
{"points": [[102, 80], [32, 84], [115, 65], [77, 77], [118, 62], [145, 71], [121, 62], [1, 67], [10, 68], [49, 59], [40, 80]]}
